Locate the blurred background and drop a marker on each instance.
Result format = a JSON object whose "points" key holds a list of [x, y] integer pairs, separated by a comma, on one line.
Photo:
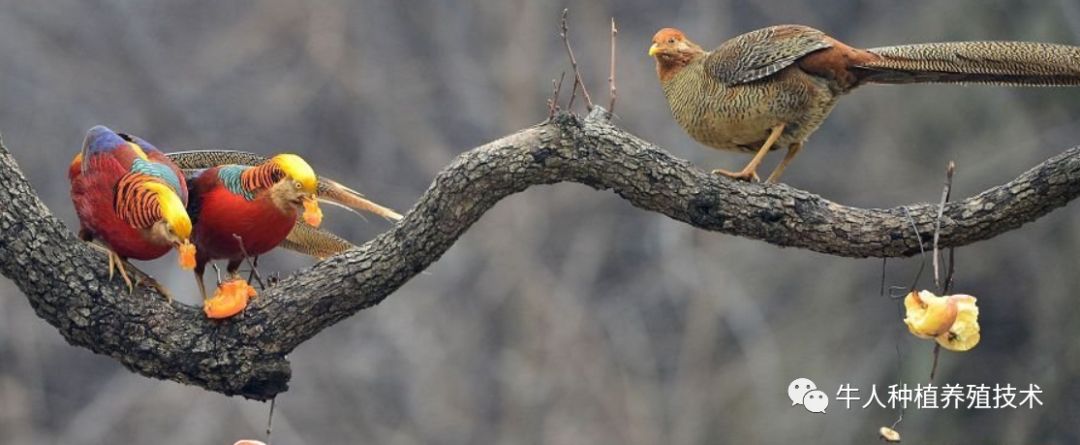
{"points": [[565, 316]]}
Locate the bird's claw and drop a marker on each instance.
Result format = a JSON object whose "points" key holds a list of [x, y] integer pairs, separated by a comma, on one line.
{"points": [[117, 263], [153, 283], [744, 175]]}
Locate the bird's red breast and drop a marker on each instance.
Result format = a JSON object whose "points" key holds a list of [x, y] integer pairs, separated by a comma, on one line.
{"points": [[221, 214]]}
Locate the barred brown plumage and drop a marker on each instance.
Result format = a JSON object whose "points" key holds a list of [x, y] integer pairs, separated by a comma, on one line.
{"points": [[1001, 63], [315, 242]]}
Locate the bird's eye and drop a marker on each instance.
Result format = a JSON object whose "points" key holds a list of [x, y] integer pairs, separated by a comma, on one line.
{"points": [[296, 184], [671, 41]]}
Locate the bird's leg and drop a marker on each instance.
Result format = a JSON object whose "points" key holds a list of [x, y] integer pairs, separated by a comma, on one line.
{"points": [[115, 262], [792, 150], [118, 263], [750, 171], [233, 269], [141, 279], [199, 280]]}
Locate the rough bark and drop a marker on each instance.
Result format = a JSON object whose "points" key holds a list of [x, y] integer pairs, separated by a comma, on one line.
{"points": [[66, 282]]}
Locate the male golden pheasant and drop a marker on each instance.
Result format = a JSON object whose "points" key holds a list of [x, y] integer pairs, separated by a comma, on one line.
{"points": [[130, 197], [773, 87], [247, 210], [244, 211]]}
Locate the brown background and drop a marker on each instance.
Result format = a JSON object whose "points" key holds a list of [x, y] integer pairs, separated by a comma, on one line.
{"points": [[565, 315]]}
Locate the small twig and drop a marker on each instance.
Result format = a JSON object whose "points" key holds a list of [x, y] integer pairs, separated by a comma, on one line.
{"points": [[941, 212], [553, 102], [922, 251], [254, 274], [899, 365], [933, 365], [950, 271], [945, 194], [573, 64], [883, 263], [247, 258], [611, 72], [270, 421]]}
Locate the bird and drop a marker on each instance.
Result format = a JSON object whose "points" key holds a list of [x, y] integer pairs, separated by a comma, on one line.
{"points": [[303, 238], [329, 191], [132, 199], [773, 87], [243, 211]]}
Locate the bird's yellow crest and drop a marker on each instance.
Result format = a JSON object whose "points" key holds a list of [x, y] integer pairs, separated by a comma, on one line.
{"points": [[298, 169], [172, 209], [138, 150]]}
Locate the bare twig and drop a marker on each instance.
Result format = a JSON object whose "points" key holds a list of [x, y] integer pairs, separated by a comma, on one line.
{"points": [[922, 251], [270, 421], [950, 271], [941, 212], [933, 365], [884, 261], [255, 272], [900, 407], [945, 194], [553, 102], [611, 72], [573, 64]]}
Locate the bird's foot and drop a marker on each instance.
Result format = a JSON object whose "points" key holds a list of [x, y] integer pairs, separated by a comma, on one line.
{"points": [[743, 175], [230, 298], [148, 281], [117, 264]]}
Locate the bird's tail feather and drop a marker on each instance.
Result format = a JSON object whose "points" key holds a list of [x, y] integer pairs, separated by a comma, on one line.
{"points": [[315, 242], [332, 192], [1003, 63], [200, 159]]}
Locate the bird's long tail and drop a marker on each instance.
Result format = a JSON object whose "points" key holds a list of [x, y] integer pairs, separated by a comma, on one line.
{"points": [[329, 190], [332, 192], [1002, 63]]}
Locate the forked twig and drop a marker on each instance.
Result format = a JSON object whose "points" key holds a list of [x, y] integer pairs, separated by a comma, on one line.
{"points": [[247, 258], [573, 64]]}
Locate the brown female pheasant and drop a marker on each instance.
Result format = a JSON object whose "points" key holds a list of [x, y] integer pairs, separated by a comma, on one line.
{"points": [[773, 87]]}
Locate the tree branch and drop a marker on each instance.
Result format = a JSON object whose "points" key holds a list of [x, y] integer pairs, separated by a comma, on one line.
{"points": [[66, 281]]}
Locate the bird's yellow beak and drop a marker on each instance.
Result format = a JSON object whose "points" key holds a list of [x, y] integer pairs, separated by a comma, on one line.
{"points": [[653, 50]]}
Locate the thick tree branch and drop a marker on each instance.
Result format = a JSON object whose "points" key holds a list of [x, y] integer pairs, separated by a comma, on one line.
{"points": [[66, 281]]}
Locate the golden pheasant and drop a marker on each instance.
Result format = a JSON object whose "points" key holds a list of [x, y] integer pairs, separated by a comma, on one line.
{"points": [[244, 205], [773, 87], [132, 198], [245, 211]]}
